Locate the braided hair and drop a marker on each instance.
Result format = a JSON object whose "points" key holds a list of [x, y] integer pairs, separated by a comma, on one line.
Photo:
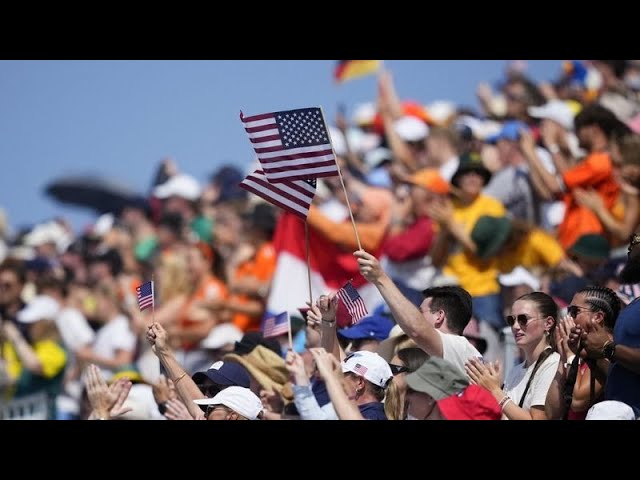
{"points": [[604, 300]]}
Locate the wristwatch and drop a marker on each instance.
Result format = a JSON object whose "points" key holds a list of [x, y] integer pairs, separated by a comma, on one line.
{"points": [[609, 350]]}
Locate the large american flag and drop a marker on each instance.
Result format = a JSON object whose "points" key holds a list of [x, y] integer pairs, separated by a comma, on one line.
{"points": [[353, 302], [145, 295], [274, 326], [293, 196], [292, 145]]}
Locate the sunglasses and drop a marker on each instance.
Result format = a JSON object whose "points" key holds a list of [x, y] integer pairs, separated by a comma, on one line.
{"points": [[574, 310], [212, 408], [397, 369], [522, 320]]}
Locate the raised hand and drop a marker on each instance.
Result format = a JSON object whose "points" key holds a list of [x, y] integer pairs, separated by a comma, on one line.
{"points": [[369, 266], [120, 388], [271, 401], [594, 340], [159, 339], [561, 337], [328, 306], [327, 364], [487, 375], [105, 401], [295, 366], [176, 410]]}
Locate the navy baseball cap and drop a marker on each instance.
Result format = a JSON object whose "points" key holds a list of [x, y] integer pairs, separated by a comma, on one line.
{"points": [[376, 326], [225, 374]]}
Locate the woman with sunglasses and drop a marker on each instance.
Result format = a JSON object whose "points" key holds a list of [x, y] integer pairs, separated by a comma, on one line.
{"points": [[522, 397], [406, 361], [589, 306]]}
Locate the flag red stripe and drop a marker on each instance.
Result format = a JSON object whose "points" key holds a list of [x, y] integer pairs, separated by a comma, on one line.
{"points": [[295, 156], [305, 176], [261, 128], [326, 163], [269, 138], [254, 118]]}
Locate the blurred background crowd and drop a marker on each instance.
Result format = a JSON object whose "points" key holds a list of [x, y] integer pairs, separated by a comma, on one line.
{"points": [[535, 190]]}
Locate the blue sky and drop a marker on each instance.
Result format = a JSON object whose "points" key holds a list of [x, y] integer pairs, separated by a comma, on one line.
{"points": [[120, 118]]}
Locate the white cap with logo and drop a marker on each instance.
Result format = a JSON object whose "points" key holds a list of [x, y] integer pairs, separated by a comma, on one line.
{"points": [[369, 365]]}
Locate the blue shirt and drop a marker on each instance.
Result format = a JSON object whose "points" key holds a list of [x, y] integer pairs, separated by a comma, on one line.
{"points": [[623, 385], [373, 411]]}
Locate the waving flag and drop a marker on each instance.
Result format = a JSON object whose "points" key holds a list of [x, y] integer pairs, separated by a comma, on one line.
{"points": [[353, 302], [292, 145], [348, 69], [274, 326], [331, 267], [145, 295], [293, 196]]}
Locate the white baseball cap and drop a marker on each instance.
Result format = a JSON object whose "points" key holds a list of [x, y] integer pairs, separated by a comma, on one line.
{"points": [[42, 307], [519, 276], [180, 185], [611, 410], [221, 335], [369, 365], [555, 110], [239, 399], [411, 129]]}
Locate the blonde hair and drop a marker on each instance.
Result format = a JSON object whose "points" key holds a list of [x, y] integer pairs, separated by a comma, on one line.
{"points": [[173, 276]]}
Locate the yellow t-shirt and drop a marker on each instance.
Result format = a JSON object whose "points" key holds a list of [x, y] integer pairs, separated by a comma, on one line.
{"points": [[51, 355], [478, 277], [537, 249]]}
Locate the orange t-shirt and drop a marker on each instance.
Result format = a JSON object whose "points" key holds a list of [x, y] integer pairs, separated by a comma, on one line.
{"points": [[261, 266], [211, 288], [594, 172]]}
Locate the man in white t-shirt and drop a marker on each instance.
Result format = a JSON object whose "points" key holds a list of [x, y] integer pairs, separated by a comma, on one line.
{"points": [[438, 325]]}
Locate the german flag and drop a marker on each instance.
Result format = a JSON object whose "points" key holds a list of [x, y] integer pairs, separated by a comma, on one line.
{"points": [[348, 69]]}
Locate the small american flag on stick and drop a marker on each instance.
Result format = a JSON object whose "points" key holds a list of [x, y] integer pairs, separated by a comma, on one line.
{"points": [[145, 295], [274, 326], [353, 302]]}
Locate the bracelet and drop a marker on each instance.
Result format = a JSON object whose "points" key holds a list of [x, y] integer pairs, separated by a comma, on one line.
{"points": [[175, 382], [330, 322], [506, 399]]}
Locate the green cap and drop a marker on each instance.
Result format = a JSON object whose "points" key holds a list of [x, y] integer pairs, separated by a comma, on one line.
{"points": [[489, 234], [437, 378]]}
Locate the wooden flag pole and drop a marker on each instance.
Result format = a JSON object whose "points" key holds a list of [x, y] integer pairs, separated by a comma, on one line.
{"points": [[353, 222], [290, 334], [153, 299], [306, 238]]}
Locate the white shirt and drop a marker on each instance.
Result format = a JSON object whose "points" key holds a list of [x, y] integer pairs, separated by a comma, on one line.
{"points": [[74, 329], [457, 350], [114, 335], [518, 378]]}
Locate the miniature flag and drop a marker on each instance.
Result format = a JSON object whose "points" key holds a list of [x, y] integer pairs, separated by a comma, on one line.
{"points": [[349, 69], [145, 295], [274, 326], [292, 145], [353, 302]]}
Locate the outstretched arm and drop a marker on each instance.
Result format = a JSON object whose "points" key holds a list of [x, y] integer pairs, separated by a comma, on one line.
{"points": [[405, 313]]}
